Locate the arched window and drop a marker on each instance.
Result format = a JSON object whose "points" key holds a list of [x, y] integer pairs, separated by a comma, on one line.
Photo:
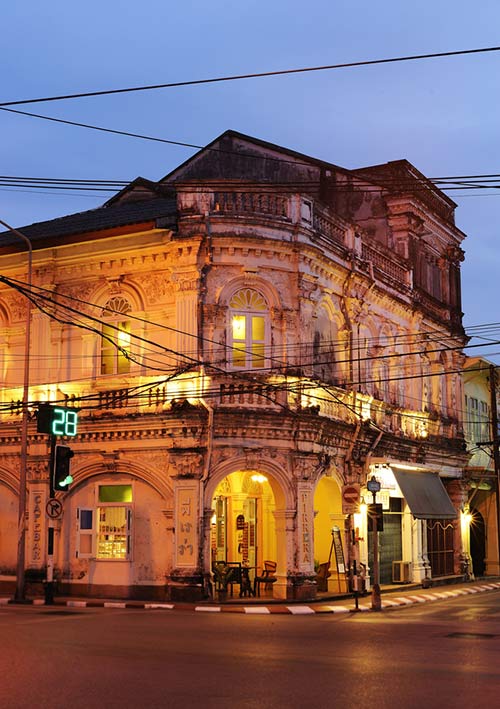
{"points": [[324, 345], [381, 379], [115, 341], [442, 397], [426, 384], [249, 328]]}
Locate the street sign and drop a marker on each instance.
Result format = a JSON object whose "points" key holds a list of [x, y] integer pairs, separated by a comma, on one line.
{"points": [[54, 508], [350, 494], [373, 485]]}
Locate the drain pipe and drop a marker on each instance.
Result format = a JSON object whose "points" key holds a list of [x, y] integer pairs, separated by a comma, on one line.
{"points": [[204, 535], [348, 322], [209, 408]]}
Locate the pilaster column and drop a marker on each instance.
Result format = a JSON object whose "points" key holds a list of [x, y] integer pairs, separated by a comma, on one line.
{"points": [[186, 307], [462, 562], [305, 528], [420, 565], [284, 521], [186, 578], [37, 530]]}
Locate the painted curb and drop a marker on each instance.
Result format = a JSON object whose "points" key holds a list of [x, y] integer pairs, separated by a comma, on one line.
{"points": [[388, 603]]}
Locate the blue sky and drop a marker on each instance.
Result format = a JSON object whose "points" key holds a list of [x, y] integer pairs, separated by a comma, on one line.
{"points": [[440, 114]]}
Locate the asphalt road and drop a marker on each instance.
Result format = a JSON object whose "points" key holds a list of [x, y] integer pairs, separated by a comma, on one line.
{"points": [[445, 654]]}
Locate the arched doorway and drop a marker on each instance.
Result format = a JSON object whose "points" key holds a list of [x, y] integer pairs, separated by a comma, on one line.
{"points": [[243, 525], [262, 496], [8, 530], [329, 558], [478, 543]]}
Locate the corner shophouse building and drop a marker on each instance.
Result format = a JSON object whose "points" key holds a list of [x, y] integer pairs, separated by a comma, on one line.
{"points": [[245, 340]]}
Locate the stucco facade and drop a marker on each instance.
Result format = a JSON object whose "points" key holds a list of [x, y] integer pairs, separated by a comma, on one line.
{"points": [[247, 341]]}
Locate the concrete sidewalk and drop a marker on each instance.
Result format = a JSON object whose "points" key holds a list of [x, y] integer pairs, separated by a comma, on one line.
{"points": [[391, 598]]}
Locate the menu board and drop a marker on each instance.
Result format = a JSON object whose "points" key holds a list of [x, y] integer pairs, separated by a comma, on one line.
{"points": [[339, 550]]}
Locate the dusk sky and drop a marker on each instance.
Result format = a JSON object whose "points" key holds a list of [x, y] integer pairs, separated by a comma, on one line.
{"points": [[440, 114]]}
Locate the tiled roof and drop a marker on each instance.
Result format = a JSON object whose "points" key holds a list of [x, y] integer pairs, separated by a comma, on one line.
{"points": [[96, 220]]}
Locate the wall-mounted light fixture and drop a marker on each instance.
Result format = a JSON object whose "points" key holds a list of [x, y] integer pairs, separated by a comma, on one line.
{"points": [[259, 478]]}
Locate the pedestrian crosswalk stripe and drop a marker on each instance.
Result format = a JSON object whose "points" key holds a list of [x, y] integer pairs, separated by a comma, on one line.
{"points": [[337, 609], [300, 610], [256, 610]]}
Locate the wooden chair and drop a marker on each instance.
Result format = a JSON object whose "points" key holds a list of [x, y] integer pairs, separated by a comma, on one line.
{"points": [[226, 573], [322, 576], [235, 574], [267, 577]]}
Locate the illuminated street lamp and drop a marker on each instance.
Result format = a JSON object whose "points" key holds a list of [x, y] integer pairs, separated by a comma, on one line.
{"points": [[21, 539]]}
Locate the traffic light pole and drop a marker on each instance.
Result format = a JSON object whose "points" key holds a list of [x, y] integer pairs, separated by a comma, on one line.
{"points": [[49, 581], [51, 465], [49, 584], [373, 486], [376, 599]]}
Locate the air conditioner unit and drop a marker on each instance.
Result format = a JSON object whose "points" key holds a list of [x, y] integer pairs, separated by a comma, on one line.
{"points": [[401, 571]]}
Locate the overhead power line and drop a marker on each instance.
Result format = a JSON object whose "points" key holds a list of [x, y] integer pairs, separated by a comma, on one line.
{"points": [[455, 182], [253, 75], [445, 184], [99, 185], [101, 128], [46, 296]]}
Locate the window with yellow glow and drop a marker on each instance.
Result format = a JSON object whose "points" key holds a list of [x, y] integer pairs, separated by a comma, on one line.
{"points": [[248, 330], [104, 532], [113, 533], [115, 341]]}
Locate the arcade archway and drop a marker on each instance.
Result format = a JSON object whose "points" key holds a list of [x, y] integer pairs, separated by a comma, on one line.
{"points": [[243, 527], [329, 558]]}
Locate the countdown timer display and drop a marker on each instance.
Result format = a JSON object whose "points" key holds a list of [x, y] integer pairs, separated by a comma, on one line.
{"points": [[57, 420]]}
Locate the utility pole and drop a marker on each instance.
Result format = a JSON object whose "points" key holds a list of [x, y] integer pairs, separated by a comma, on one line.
{"points": [[21, 534], [494, 439]]}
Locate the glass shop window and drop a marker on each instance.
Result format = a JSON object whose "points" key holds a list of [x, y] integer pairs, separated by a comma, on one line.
{"points": [[106, 531]]}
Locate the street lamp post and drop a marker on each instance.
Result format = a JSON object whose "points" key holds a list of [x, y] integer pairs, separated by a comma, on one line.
{"points": [[373, 486], [19, 595]]}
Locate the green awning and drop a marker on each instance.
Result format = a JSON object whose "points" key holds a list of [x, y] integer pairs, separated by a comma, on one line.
{"points": [[425, 495]]}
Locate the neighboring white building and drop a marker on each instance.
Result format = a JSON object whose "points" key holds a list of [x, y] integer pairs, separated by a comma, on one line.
{"points": [[481, 475], [247, 341]]}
